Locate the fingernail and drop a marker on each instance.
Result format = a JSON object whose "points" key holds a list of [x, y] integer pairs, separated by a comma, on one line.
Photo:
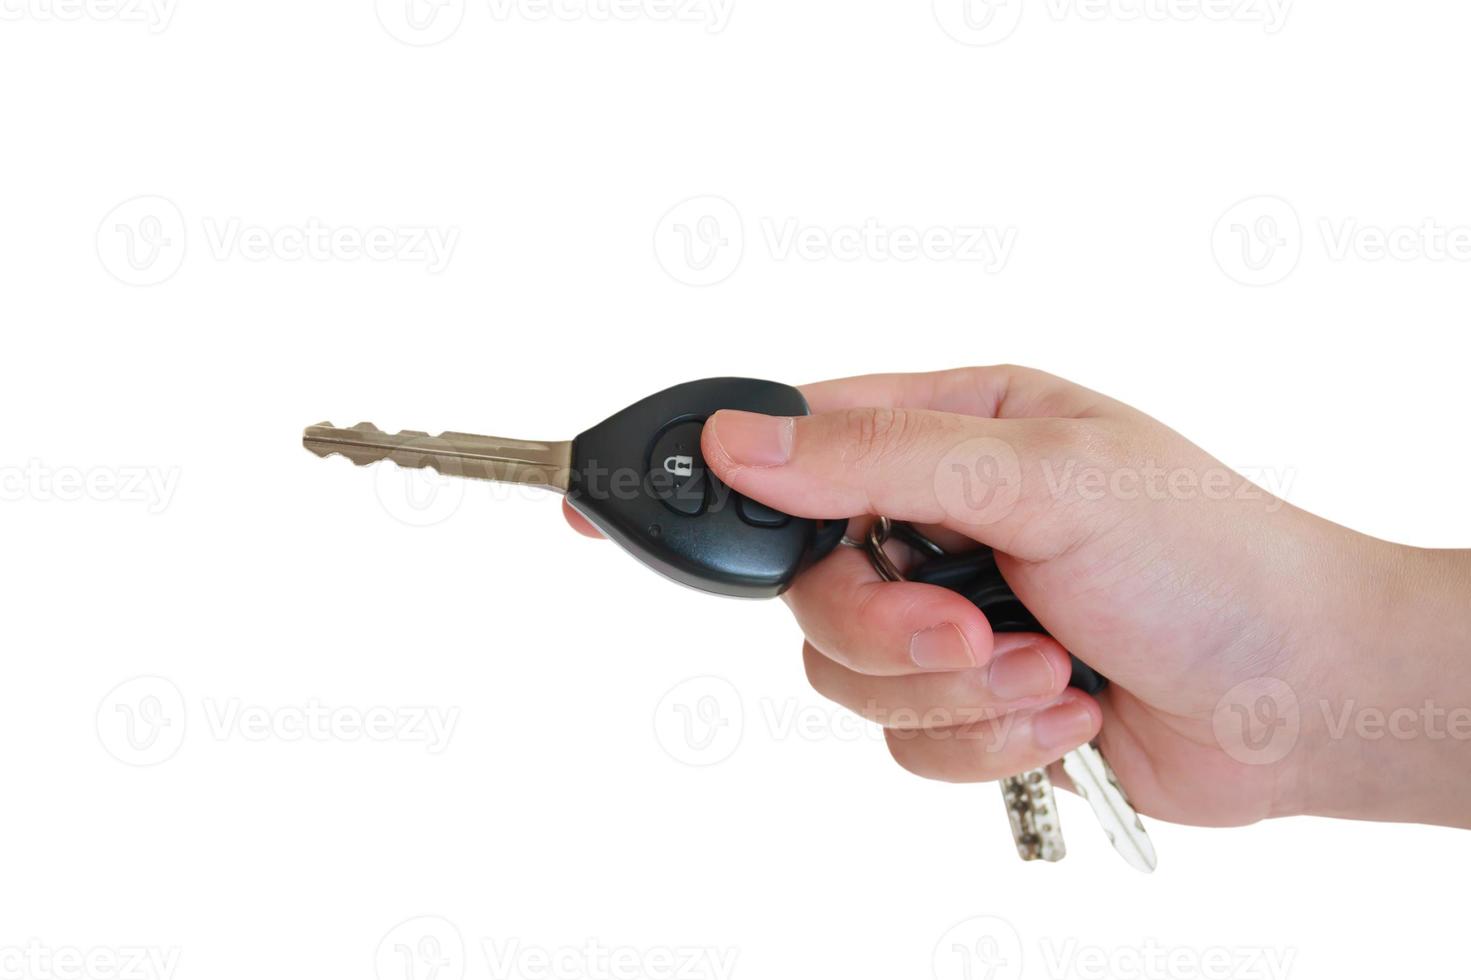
{"points": [[941, 647], [1064, 725], [754, 440], [1020, 674]]}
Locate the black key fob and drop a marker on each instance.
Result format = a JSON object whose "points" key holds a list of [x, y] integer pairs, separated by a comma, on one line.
{"points": [[640, 478]]}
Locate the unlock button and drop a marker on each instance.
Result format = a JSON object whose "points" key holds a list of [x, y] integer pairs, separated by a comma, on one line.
{"points": [[677, 470]]}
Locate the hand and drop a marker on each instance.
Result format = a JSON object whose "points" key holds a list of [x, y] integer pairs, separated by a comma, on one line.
{"points": [[1232, 625]]}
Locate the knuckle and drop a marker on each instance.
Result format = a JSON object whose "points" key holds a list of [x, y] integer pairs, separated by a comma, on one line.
{"points": [[877, 434]]}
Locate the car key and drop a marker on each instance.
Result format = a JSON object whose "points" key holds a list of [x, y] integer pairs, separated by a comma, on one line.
{"points": [[1030, 806], [640, 478]]}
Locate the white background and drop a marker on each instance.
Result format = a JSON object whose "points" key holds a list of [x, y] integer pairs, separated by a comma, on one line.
{"points": [[1109, 147]]}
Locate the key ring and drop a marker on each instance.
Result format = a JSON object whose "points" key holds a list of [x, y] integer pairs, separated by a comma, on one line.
{"points": [[879, 534]]}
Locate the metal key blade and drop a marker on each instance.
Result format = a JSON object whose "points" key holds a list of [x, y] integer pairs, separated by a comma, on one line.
{"points": [[1032, 811], [537, 464], [1094, 780]]}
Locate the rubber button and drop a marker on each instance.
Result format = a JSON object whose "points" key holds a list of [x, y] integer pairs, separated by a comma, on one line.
{"points": [[759, 515], [677, 469]]}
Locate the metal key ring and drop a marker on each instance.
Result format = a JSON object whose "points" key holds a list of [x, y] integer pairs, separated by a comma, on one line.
{"points": [[879, 534]]}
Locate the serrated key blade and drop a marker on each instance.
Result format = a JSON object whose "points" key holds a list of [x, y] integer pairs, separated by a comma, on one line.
{"points": [[1032, 812], [537, 464], [1095, 781]]}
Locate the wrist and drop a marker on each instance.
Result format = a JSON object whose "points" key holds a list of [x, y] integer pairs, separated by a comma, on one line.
{"points": [[1385, 701]]}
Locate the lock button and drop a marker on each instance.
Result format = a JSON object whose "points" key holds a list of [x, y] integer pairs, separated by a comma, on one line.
{"points": [[677, 469]]}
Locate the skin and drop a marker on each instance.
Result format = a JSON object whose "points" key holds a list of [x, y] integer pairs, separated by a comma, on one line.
{"points": [[1264, 662]]}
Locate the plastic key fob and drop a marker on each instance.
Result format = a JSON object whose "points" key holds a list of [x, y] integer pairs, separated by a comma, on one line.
{"points": [[640, 478]]}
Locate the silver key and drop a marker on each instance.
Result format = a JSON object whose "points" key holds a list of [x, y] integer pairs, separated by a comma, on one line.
{"points": [[1095, 781], [1031, 808], [537, 464]]}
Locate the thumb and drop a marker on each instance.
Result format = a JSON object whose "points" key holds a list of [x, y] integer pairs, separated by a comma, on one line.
{"points": [[986, 478]]}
